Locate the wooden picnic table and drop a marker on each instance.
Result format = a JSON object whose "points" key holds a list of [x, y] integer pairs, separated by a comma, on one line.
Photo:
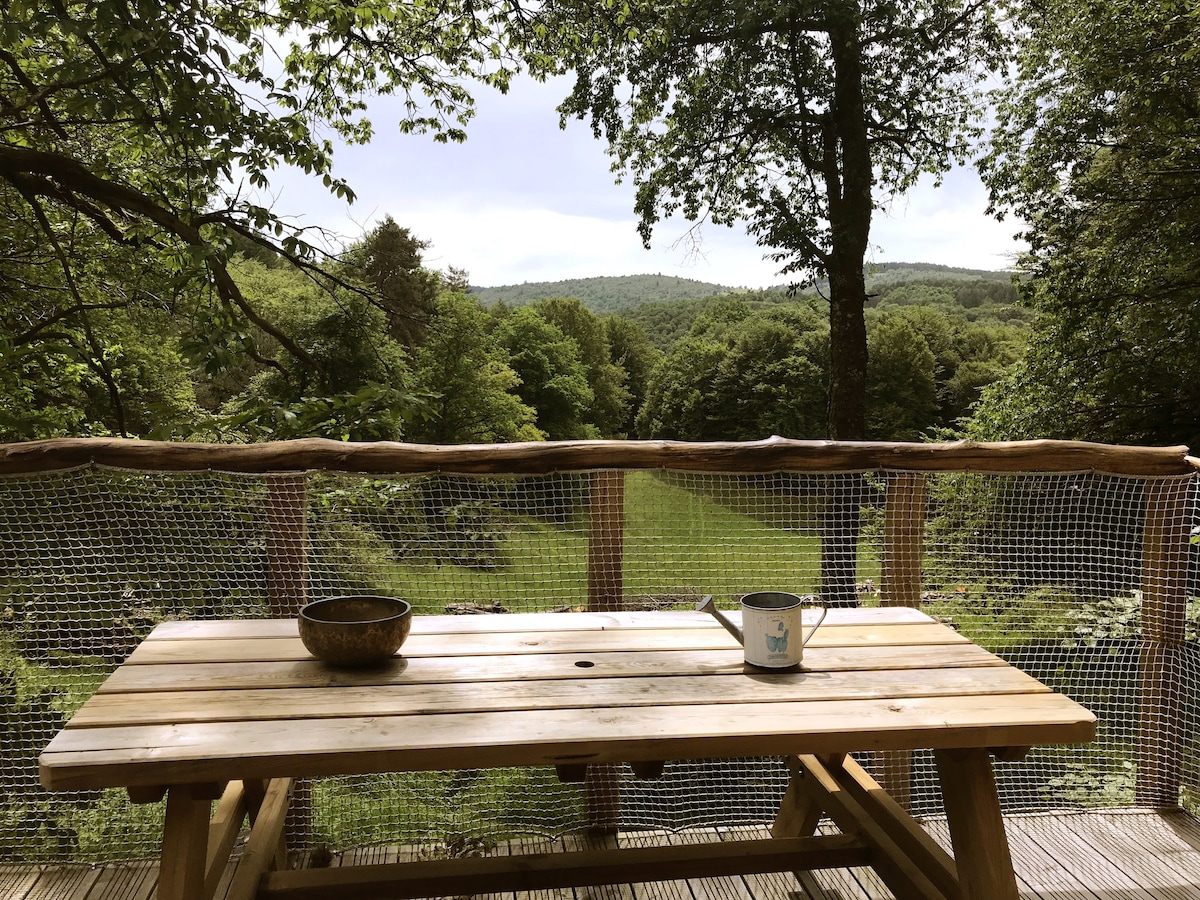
{"points": [[237, 710]]}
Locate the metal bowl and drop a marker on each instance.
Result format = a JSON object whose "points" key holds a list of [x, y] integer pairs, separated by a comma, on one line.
{"points": [[355, 630]]}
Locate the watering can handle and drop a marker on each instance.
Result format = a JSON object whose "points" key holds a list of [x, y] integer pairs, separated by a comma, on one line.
{"points": [[813, 630]]}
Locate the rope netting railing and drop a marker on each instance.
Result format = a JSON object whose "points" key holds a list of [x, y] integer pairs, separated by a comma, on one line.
{"points": [[1082, 577]]}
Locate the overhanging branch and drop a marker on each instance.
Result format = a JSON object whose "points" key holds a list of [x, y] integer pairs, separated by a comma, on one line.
{"points": [[74, 185]]}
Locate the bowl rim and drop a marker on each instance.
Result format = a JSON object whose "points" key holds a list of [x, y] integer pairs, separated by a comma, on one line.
{"points": [[308, 608]]}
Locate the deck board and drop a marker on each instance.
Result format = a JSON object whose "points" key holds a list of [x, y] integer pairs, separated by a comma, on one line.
{"points": [[1107, 855]]}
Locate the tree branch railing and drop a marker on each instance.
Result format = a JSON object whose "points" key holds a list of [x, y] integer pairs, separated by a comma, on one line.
{"points": [[773, 454]]}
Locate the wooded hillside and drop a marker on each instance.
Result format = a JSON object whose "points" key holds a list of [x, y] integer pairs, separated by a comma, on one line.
{"points": [[603, 294]]}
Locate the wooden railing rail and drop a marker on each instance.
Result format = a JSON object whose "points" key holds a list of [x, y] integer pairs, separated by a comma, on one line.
{"points": [[774, 454]]}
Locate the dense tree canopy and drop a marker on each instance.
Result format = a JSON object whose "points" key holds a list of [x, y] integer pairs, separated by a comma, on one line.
{"points": [[135, 135], [630, 349], [553, 377], [741, 375], [792, 119], [610, 397], [465, 372], [360, 387], [149, 290], [1098, 149], [901, 388], [388, 260]]}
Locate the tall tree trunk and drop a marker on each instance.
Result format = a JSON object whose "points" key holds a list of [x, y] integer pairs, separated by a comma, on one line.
{"points": [[848, 183], [848, 352], [850, 210]]}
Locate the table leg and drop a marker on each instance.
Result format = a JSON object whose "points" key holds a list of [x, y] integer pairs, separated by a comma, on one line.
{"points": [[185, 844], [981, 853], [799, 813]]}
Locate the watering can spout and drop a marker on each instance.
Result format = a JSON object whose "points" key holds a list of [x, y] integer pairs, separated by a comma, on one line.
{"points": [[706, 605]]}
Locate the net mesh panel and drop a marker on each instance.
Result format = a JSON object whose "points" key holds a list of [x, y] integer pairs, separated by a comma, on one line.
{"points": [[1064, 575]]}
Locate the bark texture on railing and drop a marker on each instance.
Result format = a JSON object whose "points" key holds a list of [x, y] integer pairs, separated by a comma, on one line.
{"points": [[774, 454]]}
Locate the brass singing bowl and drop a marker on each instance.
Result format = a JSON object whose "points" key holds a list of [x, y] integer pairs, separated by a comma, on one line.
{"points": [[355, 630]]}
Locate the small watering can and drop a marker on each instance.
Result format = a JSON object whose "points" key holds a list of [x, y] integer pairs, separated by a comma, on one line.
{"points": [[772, 631]]}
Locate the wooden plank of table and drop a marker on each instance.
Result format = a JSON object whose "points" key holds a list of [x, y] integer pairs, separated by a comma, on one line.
{"points": [[259, 629], [162, 754], [525, 643], [179, 707], [486, 670]]}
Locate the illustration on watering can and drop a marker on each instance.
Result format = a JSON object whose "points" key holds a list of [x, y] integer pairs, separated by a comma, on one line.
{"points": [[778, 643], [769, 621]]}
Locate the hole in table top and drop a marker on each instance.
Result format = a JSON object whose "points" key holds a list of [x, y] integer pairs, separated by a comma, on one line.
{"points": [[584, 664]]}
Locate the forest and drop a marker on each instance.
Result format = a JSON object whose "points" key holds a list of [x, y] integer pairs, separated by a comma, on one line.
{"points": [[406, 353], [145, 294]]}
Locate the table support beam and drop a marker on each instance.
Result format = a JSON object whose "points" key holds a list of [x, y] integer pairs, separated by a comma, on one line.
{"points": [[913, 840], [902, 873], [539, 871], [264, 848], [223, 832], [799, 813]]}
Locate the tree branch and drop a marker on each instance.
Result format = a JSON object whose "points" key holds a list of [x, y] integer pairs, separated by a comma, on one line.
{"points": [[97, 359], [73, 179]]}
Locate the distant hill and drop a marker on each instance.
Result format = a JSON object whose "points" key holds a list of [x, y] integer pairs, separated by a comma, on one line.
{"points": [[902, 271], [666, 306], [611, 294], [605, 294]]}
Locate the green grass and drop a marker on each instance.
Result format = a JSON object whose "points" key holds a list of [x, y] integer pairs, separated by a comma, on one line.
{"points": [[678, 542], [443, 807]]}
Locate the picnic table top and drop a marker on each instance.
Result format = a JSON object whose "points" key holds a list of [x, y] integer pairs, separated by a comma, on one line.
{"points": [[213, 701]]}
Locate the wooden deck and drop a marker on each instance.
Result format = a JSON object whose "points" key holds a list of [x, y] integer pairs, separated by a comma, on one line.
{"points": [[1116, 855]]}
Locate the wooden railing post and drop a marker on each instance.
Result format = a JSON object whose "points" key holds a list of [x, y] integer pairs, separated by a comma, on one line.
{"points": [[606, 580], [900, 585], [1163, 613], [606, 593], [903, 540], [285, 534]]}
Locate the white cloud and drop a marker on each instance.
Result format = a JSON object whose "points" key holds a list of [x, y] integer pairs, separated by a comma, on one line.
{"points": [[947, 225], [509, 245], [523, 200]]}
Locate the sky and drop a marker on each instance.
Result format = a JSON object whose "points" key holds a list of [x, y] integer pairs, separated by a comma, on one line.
{"points": [[525, 201]]}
